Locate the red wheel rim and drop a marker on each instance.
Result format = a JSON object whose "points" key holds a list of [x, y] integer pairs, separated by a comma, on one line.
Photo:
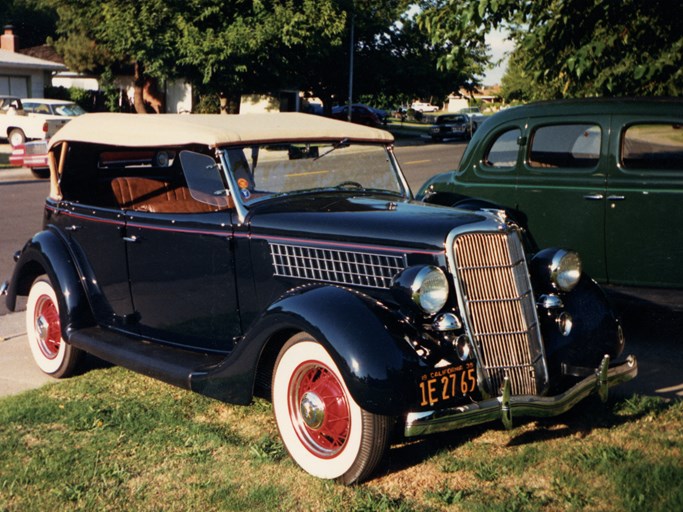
{"points": [[47, 327], [319, 409]]}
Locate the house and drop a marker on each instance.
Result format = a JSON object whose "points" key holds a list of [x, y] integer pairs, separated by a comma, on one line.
{"points": [[23, 75]]}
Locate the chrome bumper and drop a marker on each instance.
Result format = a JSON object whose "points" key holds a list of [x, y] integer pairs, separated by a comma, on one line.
{"points": [[505, 406]]}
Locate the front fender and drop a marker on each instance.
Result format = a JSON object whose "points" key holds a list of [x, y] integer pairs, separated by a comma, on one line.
{"points": [[47, 253], [596, 330], [363, 337]]}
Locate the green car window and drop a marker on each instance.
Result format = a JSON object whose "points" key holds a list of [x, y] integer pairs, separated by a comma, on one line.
{"points": [[652, 146], [566, 145], [503, 151]]}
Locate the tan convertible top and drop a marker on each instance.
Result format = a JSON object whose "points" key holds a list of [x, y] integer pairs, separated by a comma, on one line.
{"points": [[213, 130]]}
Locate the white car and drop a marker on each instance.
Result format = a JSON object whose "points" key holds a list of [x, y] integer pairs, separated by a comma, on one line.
{"points": [[424, 107], [48, 107], [18, 125]]}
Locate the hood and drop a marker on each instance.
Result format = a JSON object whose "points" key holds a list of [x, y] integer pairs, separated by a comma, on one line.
{"points": [[390, 222]]}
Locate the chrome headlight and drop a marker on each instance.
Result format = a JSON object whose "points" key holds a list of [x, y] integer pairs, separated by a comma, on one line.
{"points": [[424, 286], [557, 269], [565, 270]]}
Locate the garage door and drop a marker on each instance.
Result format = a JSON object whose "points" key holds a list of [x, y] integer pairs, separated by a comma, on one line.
{"points": [[14, 85]]}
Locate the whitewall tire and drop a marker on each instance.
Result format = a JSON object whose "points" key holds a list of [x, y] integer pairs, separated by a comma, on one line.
{"points": [[324, 430], [51, 353]]}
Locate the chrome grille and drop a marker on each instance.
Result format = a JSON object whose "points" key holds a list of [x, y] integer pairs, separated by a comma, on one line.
{"points": [[496, 292], [336, 266]]}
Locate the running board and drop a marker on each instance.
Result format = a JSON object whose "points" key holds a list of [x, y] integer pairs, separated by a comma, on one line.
{"points": [[169, 364]]}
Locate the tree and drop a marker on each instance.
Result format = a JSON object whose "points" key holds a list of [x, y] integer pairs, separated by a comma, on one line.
{"points": [[405, 65], [577, 47], [260, 46], [32, 21], [96, 35], [517, 85]]}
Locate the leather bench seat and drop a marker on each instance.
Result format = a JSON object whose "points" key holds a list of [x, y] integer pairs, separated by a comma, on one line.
{"points": [[153, 195]]}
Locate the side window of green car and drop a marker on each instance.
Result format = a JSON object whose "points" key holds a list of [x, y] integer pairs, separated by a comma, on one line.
{"points": [[503, 151], [565, 145], [652, 146]]}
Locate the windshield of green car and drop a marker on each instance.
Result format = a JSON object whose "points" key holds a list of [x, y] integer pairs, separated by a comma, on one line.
{"points": [[265, 171]]}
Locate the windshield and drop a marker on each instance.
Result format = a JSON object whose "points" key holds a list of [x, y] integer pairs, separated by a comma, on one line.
{"points": [[265, 171], [69, 110]]}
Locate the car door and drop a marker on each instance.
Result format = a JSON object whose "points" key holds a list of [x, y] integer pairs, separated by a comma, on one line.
{"points": [[95, 238], [491, 172], [182, 278], [561, 186], [644, 198]]}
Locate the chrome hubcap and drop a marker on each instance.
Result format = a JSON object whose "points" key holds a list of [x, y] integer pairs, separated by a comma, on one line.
{"points": [[42, 328], [312, 410]]}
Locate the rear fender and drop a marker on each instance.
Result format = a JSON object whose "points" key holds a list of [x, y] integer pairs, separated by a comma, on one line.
{"points": [[367, 342], [47, 253]]}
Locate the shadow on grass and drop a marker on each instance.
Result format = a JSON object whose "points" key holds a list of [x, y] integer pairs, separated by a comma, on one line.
{"points": [[585, 418]]}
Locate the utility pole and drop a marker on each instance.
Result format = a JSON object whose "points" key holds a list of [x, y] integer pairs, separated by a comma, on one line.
{"points": [[351, 51]]}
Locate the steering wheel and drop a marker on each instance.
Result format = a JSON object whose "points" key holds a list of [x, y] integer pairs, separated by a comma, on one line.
{"points": [[350, 184]]}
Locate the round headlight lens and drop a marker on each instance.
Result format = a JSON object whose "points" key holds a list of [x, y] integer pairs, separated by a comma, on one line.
{"points": [[565, 270], [430, 289]]}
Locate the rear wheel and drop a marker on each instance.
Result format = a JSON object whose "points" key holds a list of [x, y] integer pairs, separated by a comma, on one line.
{"points": [[40, 173], [16, 136], [324, 430], [51, 353]]}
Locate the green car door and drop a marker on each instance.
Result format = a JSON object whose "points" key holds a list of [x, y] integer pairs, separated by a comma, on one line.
{"points": [[561, 185], [644, 202], [492, 175]]}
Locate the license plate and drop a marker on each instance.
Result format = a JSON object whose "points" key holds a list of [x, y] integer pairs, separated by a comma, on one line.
{"points": [[441, 385]]}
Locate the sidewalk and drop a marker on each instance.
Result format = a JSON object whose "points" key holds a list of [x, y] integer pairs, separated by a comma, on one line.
{"points": [[18, 372]]}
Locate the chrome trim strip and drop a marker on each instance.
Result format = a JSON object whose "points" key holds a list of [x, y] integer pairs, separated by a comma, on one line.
{"points": [[430, 422], [232, 185]]}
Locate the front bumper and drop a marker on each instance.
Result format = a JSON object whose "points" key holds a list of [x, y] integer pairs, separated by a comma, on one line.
{"points": [[505, 406]]}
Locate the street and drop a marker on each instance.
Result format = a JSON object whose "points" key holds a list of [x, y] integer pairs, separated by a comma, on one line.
{"points": [[652, 332]]}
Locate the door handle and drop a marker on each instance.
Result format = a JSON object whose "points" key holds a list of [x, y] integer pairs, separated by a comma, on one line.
{"points": [[73, 227], [616, 198], [132, 239], [594, 197]]}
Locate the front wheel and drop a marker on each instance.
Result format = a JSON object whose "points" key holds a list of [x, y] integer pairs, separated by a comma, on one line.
{"points": [[324, 430], [51, 353]]}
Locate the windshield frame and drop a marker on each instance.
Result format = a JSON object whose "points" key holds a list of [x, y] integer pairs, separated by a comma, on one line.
{"points": [[243, 207]]}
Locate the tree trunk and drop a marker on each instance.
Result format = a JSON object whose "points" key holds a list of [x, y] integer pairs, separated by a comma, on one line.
{"points": [[138, 86]]}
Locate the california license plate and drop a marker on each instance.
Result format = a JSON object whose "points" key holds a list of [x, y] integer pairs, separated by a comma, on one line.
{"points": [[441, 385]]}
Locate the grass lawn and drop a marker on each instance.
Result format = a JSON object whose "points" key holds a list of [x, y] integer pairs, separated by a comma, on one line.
{"points": [[114, 440]]}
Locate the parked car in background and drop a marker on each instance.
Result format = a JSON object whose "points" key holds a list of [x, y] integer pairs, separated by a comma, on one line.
{"points": [[604, 176], [17, 125], [283, 256], [50, 107], [360, 114], [474, 115], [448, 126], [382, 114], [420, 106], [32, 155]]}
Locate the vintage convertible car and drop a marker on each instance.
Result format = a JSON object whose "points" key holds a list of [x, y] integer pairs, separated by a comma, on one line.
{"points": [[282, 255]]}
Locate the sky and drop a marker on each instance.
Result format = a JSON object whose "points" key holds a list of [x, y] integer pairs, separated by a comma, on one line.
{"points": [[499, 47]]}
